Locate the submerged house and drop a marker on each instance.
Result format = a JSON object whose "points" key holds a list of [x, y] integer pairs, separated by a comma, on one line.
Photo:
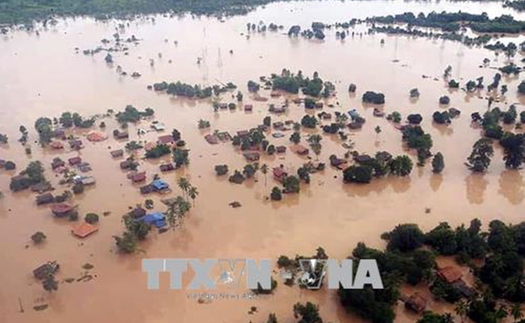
{"points": [[211, 139], [45, 270], [74, 161], [157, 219], [86, 180], [338, 163], [61, 209], [279, 174], [76, 144], [363, 159], [416, 302], [300, 150], [450, 274], [138, 177], [84, 230], [157, 126], [117, 153], [166, 140], [56, 145], [280, 149], [224, 136], [45, 199], [251, 156], [57, 162], [159, 185], [137, 212], [126, 164], [40, 187], [167, 167], [96, 137]]}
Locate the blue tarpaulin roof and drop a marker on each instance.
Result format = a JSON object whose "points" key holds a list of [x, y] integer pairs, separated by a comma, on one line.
{"points": [[159, 184], [152, 218]]}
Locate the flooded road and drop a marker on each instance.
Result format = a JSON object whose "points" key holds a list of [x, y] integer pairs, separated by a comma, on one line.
{"points": [[43, 75]]}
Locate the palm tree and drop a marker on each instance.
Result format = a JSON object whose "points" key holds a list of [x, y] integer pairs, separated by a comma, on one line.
{"points": [[264, 170], [500, 314], [192, 193], [461, 309], [184, 185], [516, 312], [177, 211], [315, 143]]}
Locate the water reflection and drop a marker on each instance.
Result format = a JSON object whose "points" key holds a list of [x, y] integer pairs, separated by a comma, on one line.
{"points": [[476, 187], [435, 181], [511, 186]]}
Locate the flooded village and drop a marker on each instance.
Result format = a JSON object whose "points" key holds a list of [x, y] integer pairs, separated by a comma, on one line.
{"points": [[308, 129]]}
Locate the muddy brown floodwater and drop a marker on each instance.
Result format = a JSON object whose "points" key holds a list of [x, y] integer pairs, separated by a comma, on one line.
{"points": [[42, 75]]}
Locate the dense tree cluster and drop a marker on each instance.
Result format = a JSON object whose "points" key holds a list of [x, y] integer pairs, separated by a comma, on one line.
{"points": [[292, 83], [373, 97], [379, 166], [184, 89], [416, 138], [131, 114], [12, 11], [33, 174], [451, 22], [158, 151]]}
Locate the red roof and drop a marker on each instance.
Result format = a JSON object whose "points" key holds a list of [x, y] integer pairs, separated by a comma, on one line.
{"points": [[211, 139], [248, 107], [61, 208], [166, 139], [74, 160], [95, 136], [243, 133], [56, 145], [279, 173], [138, 177], [450, 274], [84, 230], [300, 149]]}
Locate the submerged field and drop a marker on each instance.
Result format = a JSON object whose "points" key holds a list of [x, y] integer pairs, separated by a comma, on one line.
{"points": [[47, 73]]}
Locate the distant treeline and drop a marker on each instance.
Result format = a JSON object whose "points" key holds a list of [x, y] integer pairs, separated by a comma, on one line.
{"points": [[16, 11], [452, 22], [517, 5]]}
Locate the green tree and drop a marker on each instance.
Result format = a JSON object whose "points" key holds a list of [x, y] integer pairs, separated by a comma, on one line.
{"points": [[358, 174], [249, 170], [405, 237], [180, 157], [308, 313], [177, 211], [291, 184], [438, 163], [184, 185], [461, 309], [315, 143], [295, 137], [479, 159], [513, 149], [276, 194], [193, 193], [516, 312], [221, 170], [401, 166], [38, 237], [91, 218]]}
